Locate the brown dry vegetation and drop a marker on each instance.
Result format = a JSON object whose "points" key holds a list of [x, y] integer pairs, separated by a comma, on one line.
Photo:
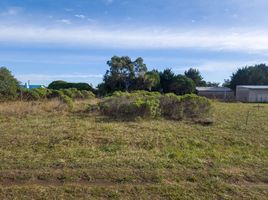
{"points": [[48, 152]]}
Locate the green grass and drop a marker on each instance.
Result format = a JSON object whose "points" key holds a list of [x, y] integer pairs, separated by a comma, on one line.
{"points": [[55, 154]]}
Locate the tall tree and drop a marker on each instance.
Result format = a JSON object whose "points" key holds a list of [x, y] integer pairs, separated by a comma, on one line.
{"points": [[252, 75], [8, 84], [212, 84], [152, 80], [123, 75], [121, 72], [182, 85], [166, 78], [195, 75], [139, 67]]}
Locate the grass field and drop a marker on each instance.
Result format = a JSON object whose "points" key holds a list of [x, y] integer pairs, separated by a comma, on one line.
{"points": [[49, 153]]}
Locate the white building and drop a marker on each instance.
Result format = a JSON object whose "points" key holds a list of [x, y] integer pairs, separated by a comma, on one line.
{"points": [[252, 93]]}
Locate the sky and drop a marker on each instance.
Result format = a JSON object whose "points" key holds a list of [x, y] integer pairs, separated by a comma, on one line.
{"points": [[46, 40]]}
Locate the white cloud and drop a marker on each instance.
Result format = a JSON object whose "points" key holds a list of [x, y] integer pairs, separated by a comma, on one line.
{"points": [[64, 21], [80, 16], [150, 38]]}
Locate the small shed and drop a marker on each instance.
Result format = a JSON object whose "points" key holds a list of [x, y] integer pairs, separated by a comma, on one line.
{"points": [[252, 93], [221, 93]]}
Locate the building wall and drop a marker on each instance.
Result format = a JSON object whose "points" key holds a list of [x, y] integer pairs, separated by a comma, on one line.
{"points": [[242, 94], [251, 95], [217, 95], [258, 95]]}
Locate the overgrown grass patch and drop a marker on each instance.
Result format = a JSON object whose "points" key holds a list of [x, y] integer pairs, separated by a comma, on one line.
{"points": [[47, 153]]}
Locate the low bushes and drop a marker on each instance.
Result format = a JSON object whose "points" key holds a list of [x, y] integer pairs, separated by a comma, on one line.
{"points": [[43, 93], [186, 106], [68, 101], [66, 96], [131, 105], [152, 104]]}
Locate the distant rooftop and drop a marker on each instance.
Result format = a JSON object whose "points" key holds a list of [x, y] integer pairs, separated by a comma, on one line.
{"points": [[256, 87], [213, 89], [32, 86]]}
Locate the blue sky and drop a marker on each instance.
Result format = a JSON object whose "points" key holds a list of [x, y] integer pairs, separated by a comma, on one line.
{"points": [[46, 40]]}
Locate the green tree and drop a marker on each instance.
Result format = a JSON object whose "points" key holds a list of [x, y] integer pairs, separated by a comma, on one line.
{"points": [[58, 85], [8, 85], [152, 80], [140, 67], [212, 84], [123, 75], [166, 79], [182, 85], [250, 75], [120, 74], [195, 75]]}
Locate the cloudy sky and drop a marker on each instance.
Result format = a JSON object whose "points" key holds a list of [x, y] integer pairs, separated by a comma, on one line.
{"points": [[45, 40]]}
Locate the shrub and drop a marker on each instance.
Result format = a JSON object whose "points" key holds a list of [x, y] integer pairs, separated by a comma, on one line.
{"points": [[131, 105], [195, 106], [171, 106], [87, 94], [151, 105], [42, 92], [28, 95], [55, 94], [8, 85], [68, 101]]}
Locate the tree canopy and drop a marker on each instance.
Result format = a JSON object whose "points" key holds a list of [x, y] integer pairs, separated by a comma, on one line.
{"points": [[166, 79], [8, 84], [127, 75], [195, 75], [181, 85], [249, 75], [58, 85]]}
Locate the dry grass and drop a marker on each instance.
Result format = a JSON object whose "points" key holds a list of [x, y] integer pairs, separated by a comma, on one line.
{"points": [[54, 154], [20, 108]]}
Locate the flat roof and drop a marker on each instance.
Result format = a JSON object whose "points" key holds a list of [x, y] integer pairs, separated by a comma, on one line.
{"points": [[213, 89], [256, 87]]}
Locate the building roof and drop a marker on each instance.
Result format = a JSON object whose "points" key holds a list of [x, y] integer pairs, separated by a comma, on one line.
{"points": [[32, 86], [213, 89], [254, 87]]}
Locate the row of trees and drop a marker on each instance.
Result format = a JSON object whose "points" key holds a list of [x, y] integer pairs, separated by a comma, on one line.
{"points": [[127, 75]]}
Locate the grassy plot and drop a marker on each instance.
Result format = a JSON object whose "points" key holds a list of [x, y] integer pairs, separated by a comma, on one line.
{"points": [[47, 152]]}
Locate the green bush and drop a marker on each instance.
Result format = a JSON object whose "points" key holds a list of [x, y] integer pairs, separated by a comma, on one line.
{"points": [[55, 94], [152, 104], [131, 105], [42, 92], [87, 94], [195, 106], [171, 106], [68, 101], [8, 85], [186, 106], [29, 95]]}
